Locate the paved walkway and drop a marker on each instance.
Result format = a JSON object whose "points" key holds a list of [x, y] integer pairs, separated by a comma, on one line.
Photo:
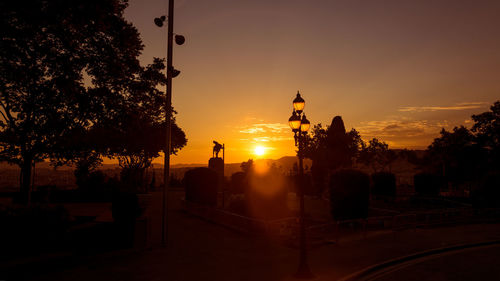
{"points": [[471, 264], [200, 250]]}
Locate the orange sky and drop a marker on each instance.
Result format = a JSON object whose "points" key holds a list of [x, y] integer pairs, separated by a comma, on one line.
{"points": [[397, 70]]}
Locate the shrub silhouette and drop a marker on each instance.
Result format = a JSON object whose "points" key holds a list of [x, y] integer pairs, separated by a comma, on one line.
{"points": [[384, 184], [125, 209], [201, 186], [487, 195], [427, 184], [238, 183], [349, 194]]}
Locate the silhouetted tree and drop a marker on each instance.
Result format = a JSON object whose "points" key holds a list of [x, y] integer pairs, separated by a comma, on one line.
{"points": [[137, 134], [487, 130], [376, 155], [330, 148], [247, 166], [86, 174], [455, 155], [47, 48]]}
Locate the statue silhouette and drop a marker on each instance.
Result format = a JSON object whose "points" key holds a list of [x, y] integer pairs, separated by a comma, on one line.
{"points": [[217, 148]]}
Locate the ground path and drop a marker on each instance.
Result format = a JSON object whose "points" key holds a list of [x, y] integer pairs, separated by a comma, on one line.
{"points": [[200, 250]]}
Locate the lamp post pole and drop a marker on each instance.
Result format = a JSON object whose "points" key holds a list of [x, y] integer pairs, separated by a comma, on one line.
{"points": [[300, 125], [171, 73], [303, 271], [168, 117]]}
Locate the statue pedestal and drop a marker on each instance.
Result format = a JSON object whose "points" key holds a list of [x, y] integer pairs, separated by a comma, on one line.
{"points": [[217, 164]]}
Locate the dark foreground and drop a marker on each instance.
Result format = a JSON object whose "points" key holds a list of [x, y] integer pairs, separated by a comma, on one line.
{"points": [[200, 250]]}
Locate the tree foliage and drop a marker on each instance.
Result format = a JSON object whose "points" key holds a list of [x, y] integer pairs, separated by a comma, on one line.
{"points": [[376, 155], [138, 133], [247, 166], [70, 71], [487, 131], [455, 154], [330, 148], [468, 155]]}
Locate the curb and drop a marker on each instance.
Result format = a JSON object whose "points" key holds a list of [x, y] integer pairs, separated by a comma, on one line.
{"points": [[370, 271]]}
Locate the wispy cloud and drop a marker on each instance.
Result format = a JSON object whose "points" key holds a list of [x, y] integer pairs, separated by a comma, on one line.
{"points": [[403, 132], [264, 128], [270, 139], [392, 128], [458, 106], [252, 130], [265, 133]]}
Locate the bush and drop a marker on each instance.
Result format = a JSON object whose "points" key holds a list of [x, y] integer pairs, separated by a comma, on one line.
{"points": [[349, 194], [201, 186], [384, 184], [125, 209], [238, 183], [427, 184], [487, 195]]}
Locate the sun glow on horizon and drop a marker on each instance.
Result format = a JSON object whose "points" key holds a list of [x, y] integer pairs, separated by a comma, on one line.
{"points": [[259, 150]]}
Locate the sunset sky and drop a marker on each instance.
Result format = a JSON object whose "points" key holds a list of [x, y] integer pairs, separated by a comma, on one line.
{"points": [[396, 70]]}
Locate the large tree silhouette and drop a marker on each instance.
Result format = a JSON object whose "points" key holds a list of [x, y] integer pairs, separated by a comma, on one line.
{"points": [[47, 49], [330, 148], [465, 155], [487, 130], [137, 135]]}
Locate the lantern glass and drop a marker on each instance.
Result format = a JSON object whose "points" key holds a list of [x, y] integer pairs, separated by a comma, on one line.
{"points": [[299, 103], [305, 127], [294, 121], [304, 124]]}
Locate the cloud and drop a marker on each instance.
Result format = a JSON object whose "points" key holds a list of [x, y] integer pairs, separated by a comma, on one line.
{"points": [[252, 130], [458, 106], [265, 133], [269, 139], [394, 127], [400, 132], [264, 128]]}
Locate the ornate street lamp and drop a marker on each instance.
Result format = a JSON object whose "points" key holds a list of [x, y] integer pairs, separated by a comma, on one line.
{"points": [[299, 103], [300, 125], [171, 72]]}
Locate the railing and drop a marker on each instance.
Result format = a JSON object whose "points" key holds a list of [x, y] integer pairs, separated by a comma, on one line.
{"points": [[287, 228], [279, 227], [336, 229]]}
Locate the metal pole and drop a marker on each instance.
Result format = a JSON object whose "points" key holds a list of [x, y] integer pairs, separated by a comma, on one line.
{"points": [[168, 115], [303, 271]]}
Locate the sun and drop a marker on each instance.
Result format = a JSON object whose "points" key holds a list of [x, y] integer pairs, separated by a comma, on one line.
{"points": [[259, 150]]}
